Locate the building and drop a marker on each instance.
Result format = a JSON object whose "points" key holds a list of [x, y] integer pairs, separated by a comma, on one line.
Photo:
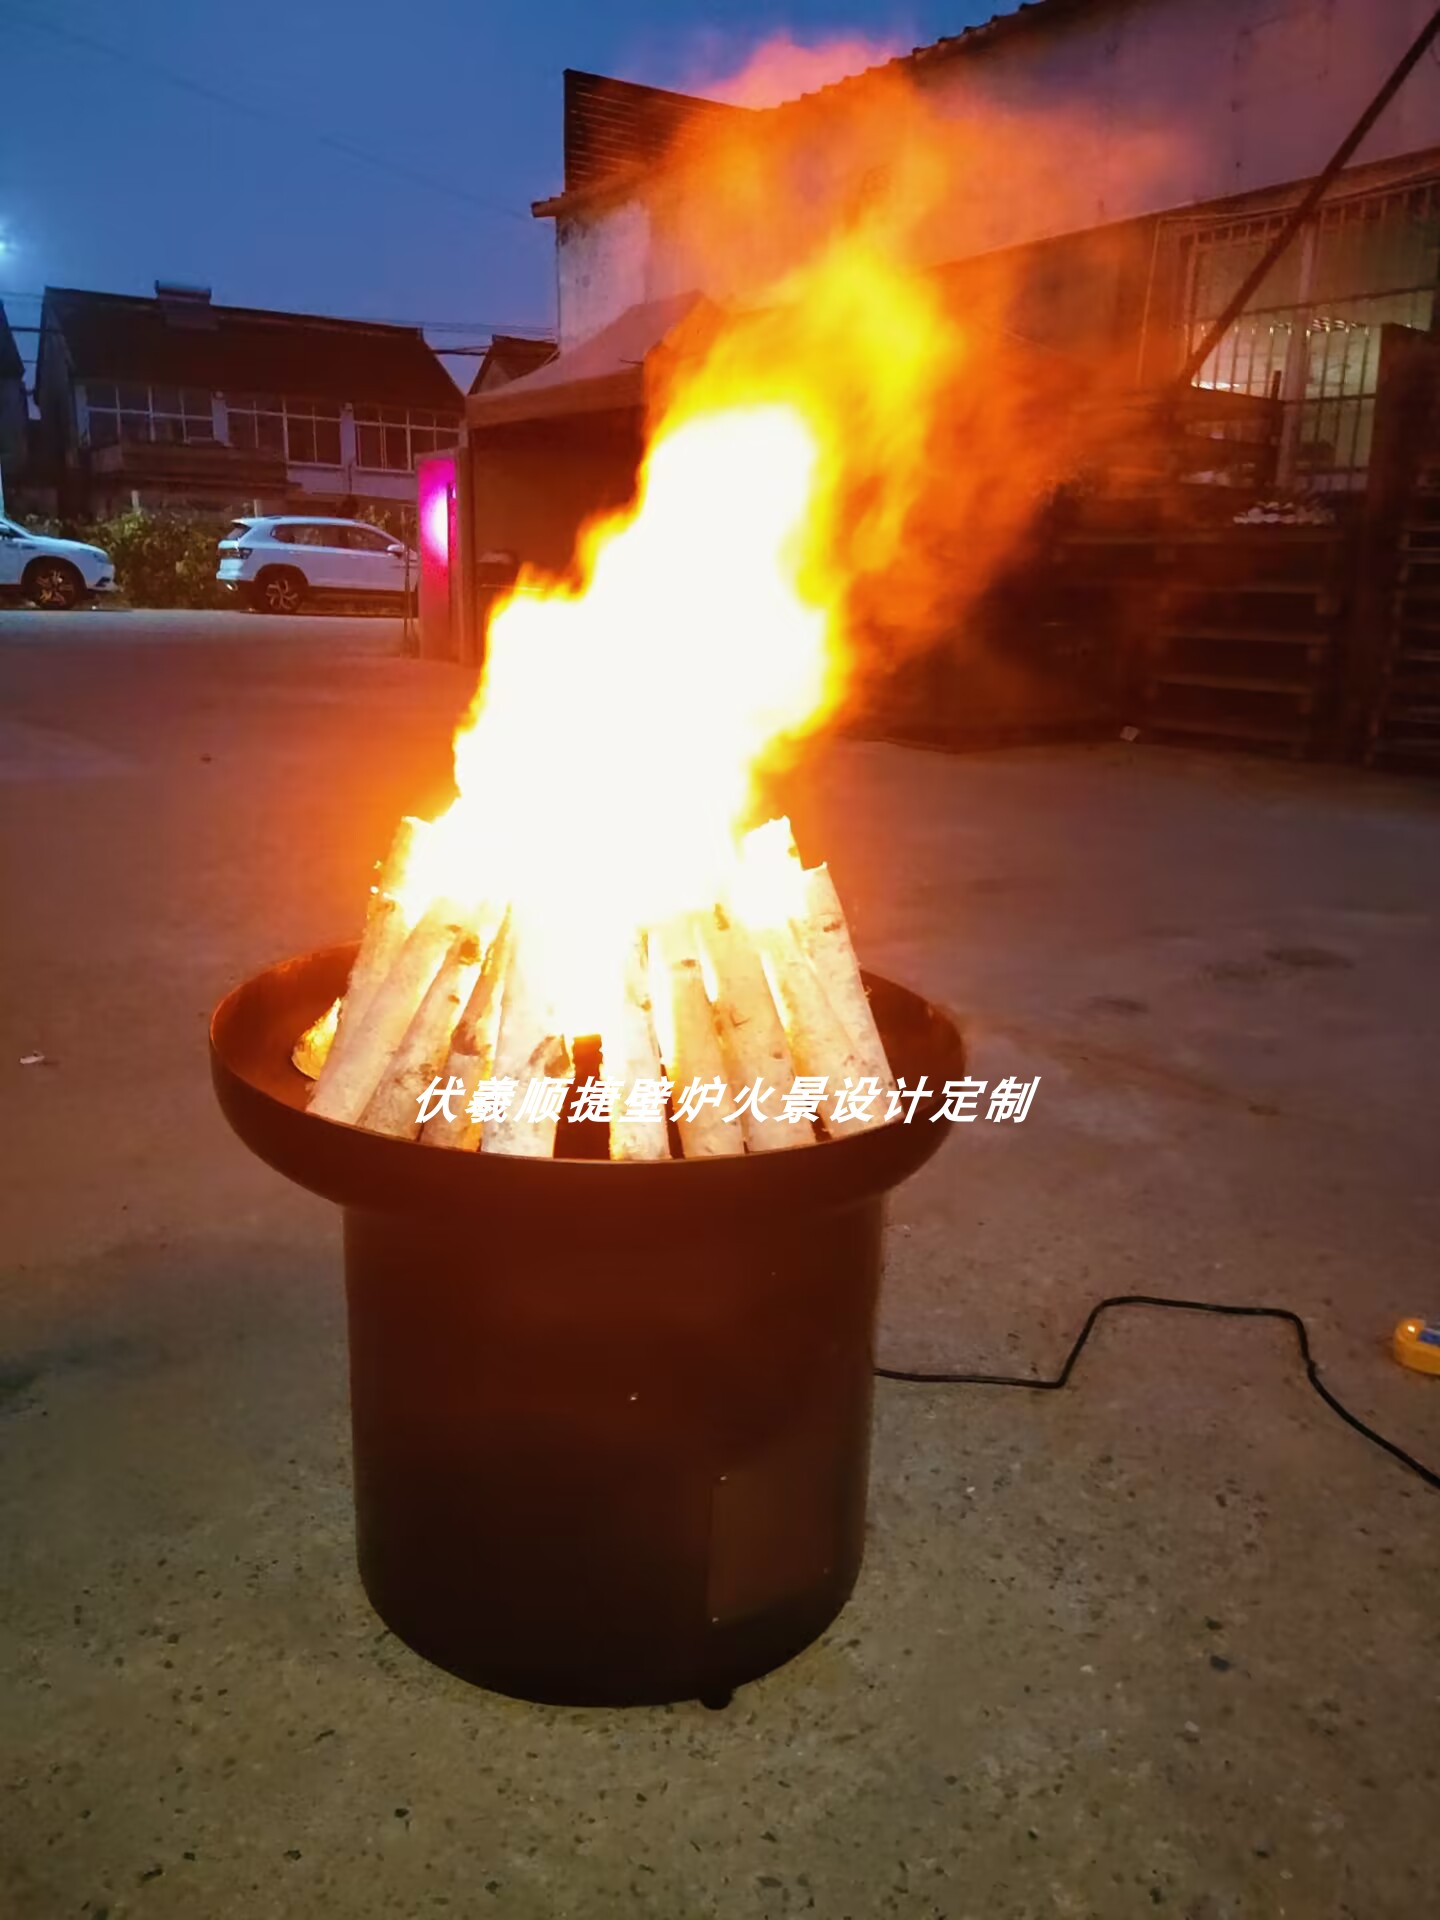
{"points": [[1090, 183], [14, 412], [179, 403], [1118, 164]]}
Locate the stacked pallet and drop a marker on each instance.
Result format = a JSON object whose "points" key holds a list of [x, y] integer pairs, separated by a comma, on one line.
{"points": [[1404, 722], [1246, 645], [1223, 634]]}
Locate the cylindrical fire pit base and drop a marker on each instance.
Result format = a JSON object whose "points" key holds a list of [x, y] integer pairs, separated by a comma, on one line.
{"points": [[593, 1467], [611, 1421]]}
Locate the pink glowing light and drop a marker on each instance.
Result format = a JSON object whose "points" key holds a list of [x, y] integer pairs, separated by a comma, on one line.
{"points": [[435, 508], [435, 523]]}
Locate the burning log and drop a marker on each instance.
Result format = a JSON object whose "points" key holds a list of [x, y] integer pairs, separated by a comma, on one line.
{"points": [[630, 1053], [394, 1107], [764, 987], [752, 1038], [472, 1046], [312, 1049], [801, 932], [819, 1043], [825, 937], [788, 1000], [353, 1072], [529, 1048], [693, 1047], [386, 930]]}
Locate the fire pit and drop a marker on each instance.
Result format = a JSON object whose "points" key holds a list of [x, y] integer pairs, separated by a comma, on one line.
{"points": [[605, 1097], [611, 1419]]}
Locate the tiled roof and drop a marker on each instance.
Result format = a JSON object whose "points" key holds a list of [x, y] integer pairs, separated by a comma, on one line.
{"points": [[190, 343], [616, 131], [970, 40], [613, 125]]}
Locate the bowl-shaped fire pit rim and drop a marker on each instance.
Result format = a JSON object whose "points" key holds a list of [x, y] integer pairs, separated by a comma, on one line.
{"points": [[262, 1095]]}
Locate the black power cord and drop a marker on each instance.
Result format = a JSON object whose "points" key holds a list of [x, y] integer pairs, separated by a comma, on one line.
{"points": [[1427, 1474]]}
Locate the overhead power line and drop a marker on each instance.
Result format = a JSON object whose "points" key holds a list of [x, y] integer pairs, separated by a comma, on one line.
{"points": [[288, 123], [540, 329]]}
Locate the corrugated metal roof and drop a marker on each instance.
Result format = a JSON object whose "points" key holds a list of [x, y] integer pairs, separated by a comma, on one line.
{"points": [[115, 336], [616, 131]]}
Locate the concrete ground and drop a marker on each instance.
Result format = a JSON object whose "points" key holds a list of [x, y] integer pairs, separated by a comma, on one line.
{"points": [[1164, 1642]]}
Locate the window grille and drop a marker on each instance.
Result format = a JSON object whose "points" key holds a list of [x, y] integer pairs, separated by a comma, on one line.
{"points": [[1311, 338]]}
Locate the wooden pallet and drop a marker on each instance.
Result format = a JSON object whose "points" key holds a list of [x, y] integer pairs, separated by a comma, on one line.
{"points": [[1246, 651], [1404, 724]]}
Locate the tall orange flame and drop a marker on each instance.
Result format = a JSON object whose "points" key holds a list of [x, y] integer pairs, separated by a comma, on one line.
{"points": [[609, 762]]}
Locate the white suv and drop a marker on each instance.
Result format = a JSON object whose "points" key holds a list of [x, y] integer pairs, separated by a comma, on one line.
{"points": [[54, 574], [280, 563]]}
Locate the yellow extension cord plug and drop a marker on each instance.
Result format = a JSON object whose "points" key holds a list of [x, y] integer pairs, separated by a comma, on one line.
{"points": [[1417, 1345]]}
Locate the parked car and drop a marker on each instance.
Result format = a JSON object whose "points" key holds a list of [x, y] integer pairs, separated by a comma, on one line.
{"points": [[284, 562], [54, 574]]}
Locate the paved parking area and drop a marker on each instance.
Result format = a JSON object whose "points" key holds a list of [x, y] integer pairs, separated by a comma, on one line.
{"points": [[1162, 1643], [98, 624]]}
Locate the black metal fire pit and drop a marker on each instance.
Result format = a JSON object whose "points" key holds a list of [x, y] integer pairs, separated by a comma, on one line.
{"points": [[611, 1420]]}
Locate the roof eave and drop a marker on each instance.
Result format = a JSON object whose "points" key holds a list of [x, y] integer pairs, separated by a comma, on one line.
{"points": [[611, 192], [620, 391]]}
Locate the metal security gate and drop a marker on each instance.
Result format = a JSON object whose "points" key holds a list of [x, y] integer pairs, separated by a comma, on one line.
{"points": [[1312, 340]]}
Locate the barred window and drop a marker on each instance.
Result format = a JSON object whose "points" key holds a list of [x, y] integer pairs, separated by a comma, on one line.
{"points": [[1310, 339], [391, 439]]}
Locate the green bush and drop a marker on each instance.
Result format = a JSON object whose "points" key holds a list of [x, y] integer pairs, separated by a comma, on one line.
{"points": [[161, 559]]}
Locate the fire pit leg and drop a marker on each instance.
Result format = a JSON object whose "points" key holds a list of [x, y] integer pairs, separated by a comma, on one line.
{"points": [[595, 1463]]}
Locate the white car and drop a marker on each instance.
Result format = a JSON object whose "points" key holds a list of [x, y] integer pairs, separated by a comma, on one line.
{"points": [[280, 563], [54, 574]]}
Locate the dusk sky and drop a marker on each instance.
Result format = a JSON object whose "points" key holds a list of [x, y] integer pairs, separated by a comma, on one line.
{"points": [[223, 145]]}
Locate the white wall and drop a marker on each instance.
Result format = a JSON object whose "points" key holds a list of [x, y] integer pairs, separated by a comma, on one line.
{"points": [[366, 483], [1161, 104], [602, 262], [1127, 108]]}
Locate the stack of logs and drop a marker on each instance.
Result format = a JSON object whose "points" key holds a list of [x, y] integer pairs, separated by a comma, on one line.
{"points": [[454, 996]]}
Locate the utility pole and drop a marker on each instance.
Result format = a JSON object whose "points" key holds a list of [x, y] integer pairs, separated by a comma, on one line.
{"points": [[406, 627]]}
